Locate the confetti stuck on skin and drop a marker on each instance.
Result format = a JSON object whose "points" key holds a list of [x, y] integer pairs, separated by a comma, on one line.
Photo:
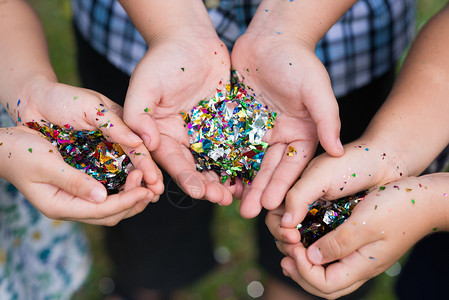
{"points": [[147, 110], [291, 151], [226, 132], [89, 152], [324, 216]]}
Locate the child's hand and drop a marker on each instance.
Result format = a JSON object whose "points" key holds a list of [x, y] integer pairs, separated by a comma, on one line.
{"points": [[181, 68], [381, 229], [59, 191], [363, 165], [85, 109], [288, 77]]}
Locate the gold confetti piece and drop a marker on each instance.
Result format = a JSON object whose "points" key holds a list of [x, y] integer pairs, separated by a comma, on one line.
{"points": [[291, 151]]}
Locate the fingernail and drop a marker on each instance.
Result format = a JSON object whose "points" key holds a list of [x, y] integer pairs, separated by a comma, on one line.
{"points": [[339, 144], [314, 255], [287, 218], [98, 194], [134, 137], [146, 140]]}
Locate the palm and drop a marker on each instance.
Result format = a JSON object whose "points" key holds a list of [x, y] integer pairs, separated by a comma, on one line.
{"points": [[289, 78], [172, 77]]}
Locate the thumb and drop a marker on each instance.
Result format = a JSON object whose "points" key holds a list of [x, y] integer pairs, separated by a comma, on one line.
{"points": [[74, 181], [339, 243], [323, 109]]}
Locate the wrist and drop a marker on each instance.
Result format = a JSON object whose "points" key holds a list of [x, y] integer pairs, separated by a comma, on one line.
{"points": [[308, 21], [154, 19]]}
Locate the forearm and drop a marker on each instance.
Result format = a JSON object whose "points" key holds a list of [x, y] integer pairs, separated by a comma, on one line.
{"points": [[156, 18], [24, 52], [414, 120], [303, 19]]}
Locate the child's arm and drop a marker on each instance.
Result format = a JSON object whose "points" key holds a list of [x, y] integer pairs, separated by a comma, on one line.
{"points": [[186, 63], [276, 56], [59, 191], [30, 92], [407, 133], [383, 226]]}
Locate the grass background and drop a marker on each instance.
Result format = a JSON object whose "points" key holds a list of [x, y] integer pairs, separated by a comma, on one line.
{"points": [[234, 235]]}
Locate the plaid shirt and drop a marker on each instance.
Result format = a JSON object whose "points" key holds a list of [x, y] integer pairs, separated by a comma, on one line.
{"points": [[361, 46]]}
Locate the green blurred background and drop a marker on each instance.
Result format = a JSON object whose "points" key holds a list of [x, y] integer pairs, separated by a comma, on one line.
{"points": [[237, 275]]}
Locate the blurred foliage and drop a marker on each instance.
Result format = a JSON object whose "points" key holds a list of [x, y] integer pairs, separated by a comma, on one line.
{"points": [[234, 236]]}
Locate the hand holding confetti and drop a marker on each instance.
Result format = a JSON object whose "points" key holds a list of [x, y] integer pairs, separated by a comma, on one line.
{"points": [[381, 229], [87, 110], [60, 191], [174, 76], [286, 76]]}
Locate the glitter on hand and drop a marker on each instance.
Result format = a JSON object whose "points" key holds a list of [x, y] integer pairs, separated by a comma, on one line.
{"points": [[324, 216], [89, 152], [226, 132]]}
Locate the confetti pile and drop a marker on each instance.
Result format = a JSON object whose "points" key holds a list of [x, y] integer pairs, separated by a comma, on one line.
{"points": [[324, 216], [226, 133], [89, 152]]}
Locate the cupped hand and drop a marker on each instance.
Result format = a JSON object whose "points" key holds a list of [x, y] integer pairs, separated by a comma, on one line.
{"points": [[286, 75], [85, 109], [383, 226], [181, 67], [59, 191]]}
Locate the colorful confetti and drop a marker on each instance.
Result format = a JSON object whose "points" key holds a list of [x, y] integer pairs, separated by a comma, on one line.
{"points": [[291, 151], [89, 152], [226, 132], [324, 216]]}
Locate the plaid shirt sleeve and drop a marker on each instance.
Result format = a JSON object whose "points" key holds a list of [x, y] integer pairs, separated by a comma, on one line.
{"points": [[361, 46]]}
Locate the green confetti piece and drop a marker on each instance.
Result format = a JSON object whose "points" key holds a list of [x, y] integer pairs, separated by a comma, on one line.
{"points": [[30, 150], [381, 188]]}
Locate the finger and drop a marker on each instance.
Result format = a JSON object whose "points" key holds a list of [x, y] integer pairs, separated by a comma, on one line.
{"points": [[142, 160], [140, 103], [337, 279], [73, 181], [99, 111], [344, 240], [251, 201], [323, 108], [273, 222], [307, 190], [215, 191], [294, 159], [170, 157]]}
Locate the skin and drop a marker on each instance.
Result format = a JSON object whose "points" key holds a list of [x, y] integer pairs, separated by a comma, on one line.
{"points": [[30, 91], [187, 62], [276, 57], [403, 138]]}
